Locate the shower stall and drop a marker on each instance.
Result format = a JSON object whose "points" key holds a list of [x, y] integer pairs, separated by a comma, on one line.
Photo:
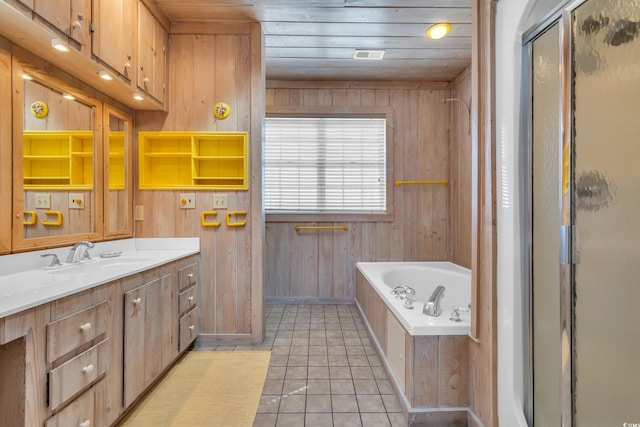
{"points": [[581, 123]]}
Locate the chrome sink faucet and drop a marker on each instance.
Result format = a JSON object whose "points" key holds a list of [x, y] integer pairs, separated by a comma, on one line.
{"points": [[74, 257], [432, 306]]}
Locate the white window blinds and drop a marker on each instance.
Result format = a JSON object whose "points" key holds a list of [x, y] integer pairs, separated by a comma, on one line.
{"points": [[325, 165]]}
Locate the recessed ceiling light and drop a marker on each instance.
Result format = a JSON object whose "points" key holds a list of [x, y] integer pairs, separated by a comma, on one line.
{"points": [[68, 96], [138, 97], [59, 45], [105, 75], [438, 31], [26, 76], [368, 54]]}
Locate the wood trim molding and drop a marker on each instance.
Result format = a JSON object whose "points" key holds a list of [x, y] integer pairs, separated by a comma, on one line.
{"points": [[483, 349], [211, 28], [311, 84], [155, 10]]}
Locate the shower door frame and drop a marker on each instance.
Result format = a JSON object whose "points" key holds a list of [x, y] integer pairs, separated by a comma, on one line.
{"points": [[561, 14]]}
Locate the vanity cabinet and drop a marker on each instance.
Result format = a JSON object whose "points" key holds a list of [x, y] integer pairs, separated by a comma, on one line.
{"points": [[152, 59], [114, 34]]}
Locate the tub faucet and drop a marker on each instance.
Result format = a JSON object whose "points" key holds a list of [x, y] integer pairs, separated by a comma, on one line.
{"points": [[73, 256], [432, 306]]}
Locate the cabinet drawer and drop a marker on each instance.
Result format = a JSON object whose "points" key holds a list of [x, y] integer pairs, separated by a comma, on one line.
{"points": [[71, 332], [79, 413], [188, 299], [70, 378], [189, 328], [187, 276]]}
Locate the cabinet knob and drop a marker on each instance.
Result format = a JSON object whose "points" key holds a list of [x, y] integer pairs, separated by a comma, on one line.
{"points": [[77, 25], [190, 275], [85, 327], [127, 65], [85, 423], [192, 327], [87, 369], [137, 301], [146, 80], [190, 299]]}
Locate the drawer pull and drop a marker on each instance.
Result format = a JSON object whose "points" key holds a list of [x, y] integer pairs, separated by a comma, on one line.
{"points": [[137, 301], [85, 423], [87, 369], [192, 327], [190, 275], [85, 327], [190, 299]]}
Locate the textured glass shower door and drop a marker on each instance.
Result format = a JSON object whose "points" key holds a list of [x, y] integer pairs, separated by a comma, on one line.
{"points": [[605, 213]]}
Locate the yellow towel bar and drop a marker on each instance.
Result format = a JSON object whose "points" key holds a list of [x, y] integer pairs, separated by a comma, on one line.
{"points": [[442, 182], [57, 222], [236, 224], [209, 224], [315, 227], [33, 219]]}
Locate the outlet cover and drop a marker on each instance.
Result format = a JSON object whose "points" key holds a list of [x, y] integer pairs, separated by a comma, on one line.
{"points": [[43, 201], [139, 213], [219, 201], [187, 200], [76, 201]]}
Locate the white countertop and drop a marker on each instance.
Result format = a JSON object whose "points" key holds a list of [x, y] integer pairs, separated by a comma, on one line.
{"points": [[25, 283]]}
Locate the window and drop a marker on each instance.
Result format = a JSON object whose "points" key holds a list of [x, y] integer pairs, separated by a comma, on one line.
{"points": [[325, 165]]}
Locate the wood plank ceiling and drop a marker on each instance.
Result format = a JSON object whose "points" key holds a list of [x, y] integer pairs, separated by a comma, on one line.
{"points": [[316, 39]]}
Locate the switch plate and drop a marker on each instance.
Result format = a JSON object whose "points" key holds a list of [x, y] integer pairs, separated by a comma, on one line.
{"points": [[43, 201], [139, 214], [219, 201], [187, 200], [76, 201]]}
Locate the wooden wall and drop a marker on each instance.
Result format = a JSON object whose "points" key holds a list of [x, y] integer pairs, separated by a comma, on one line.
{"points": [[460, 161], [319, 265], [207, 68]]}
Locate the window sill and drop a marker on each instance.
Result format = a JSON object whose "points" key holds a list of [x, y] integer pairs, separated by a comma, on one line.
{"points": [[292, 217]]}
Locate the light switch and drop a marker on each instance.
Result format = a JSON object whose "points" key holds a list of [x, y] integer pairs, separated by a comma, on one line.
{"points": [[43, 201], [139, 214], [219, 201]]}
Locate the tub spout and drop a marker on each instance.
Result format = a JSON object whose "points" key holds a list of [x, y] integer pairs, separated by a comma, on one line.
{"points": [[432, 306]]}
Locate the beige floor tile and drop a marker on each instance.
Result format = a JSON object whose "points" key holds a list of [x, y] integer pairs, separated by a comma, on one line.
{"points": [[292, 404], [290, 420], [344, 403], [318, 387], [265, 420], [318, 403], [375, 420], [347, 420]]}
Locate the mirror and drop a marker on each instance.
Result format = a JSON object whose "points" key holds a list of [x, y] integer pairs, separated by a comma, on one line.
{"points": [[118, 177], [56, 199]]}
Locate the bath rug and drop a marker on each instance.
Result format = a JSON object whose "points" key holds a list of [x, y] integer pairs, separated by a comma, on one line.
{"points": [[205, 388]]}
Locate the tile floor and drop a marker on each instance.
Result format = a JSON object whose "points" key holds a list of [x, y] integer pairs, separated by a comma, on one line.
{"points": [[324, 371]]}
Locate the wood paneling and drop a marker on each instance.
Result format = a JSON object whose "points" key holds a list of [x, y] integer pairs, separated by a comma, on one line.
{"points": [[460, 154], [315, 265], [5, 147], [206, 69]]}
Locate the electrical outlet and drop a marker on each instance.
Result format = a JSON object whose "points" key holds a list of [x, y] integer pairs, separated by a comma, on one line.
{"points": [[76, 201], [187, 200], [219, 201], [43, 201], [139, 214]]}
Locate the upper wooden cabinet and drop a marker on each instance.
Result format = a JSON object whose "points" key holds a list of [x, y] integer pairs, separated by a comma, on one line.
{"points": [[114, 34], [71, 17], [152, 57]]}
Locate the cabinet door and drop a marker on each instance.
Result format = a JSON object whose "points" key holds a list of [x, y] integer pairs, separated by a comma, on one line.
{"points": [[147, 334], [134, 343], [113, 31], [68, 16], [152, 41]]}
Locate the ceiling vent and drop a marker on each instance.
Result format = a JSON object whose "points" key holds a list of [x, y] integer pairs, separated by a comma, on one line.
{"points": [[368, 54]]}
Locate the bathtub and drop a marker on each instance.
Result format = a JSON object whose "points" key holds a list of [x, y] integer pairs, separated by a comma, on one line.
{"points": [[423, 277], [426, 357]]}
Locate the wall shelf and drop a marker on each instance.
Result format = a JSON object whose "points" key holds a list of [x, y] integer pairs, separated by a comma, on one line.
{"points": [[193, 160], [58, 160]]}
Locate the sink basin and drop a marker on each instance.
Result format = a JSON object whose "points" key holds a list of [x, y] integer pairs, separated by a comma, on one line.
{"points": [[98, 264]]}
